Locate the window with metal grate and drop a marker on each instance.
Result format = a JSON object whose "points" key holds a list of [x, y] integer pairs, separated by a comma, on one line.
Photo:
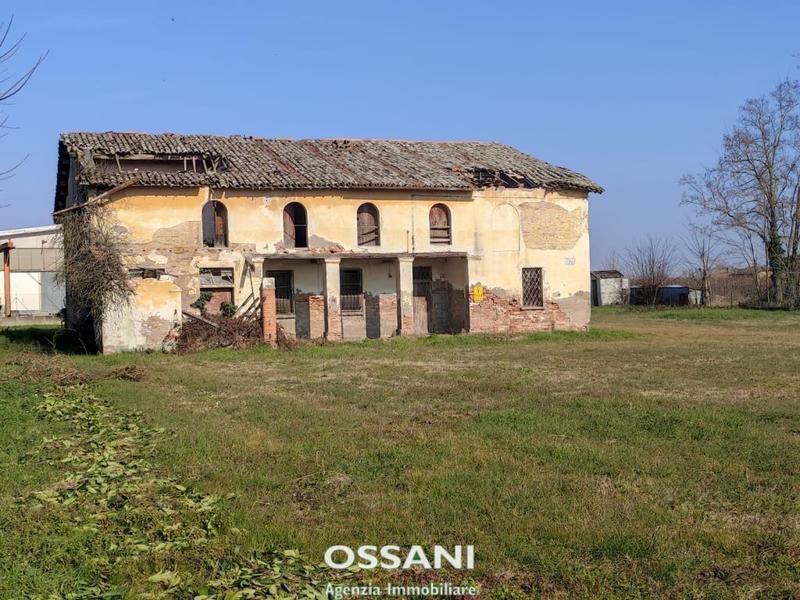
{"points": [[351, 290], [284, 291], [532, 288]]}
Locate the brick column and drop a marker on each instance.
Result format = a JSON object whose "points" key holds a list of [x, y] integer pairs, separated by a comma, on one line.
{"points": [[333, 310], [405, 295], [269, 316]]}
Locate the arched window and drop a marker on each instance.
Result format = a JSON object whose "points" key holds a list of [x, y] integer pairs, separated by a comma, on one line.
{"points": [[440, 224], [295, 226], [369, 225], [215, 224]]}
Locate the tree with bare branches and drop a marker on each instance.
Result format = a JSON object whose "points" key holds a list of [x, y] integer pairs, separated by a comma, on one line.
{"points": [[704, 253], [754, 189], [92, 268], [11, 81], [650, 264]]}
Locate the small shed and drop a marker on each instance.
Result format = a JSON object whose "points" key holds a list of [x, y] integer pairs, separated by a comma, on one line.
{"points": [[609, 287]]}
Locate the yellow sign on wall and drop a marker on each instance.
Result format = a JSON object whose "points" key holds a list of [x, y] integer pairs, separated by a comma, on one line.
{"points": [[477, 293]]}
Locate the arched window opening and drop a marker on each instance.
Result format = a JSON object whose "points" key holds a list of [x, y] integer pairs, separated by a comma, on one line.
{"points": [[295, 226], [369, 225], [440, 224], [215, 224]]}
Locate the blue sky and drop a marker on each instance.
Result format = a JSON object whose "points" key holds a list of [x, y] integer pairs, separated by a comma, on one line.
{"points": [[631, 94]]}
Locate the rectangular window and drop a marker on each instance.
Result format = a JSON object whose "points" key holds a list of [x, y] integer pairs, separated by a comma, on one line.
{"points": [[422, 281], [351, 290], [284, 291], [532, 289], [216, 278]]}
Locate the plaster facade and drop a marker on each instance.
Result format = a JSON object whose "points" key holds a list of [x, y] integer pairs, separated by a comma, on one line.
{"points": [[495, 233]]}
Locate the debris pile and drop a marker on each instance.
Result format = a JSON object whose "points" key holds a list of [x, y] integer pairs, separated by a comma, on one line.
{"points": [[217, 331]]}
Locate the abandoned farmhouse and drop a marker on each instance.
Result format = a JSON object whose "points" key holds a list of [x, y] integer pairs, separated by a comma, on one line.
{"points": [[341, 239]]}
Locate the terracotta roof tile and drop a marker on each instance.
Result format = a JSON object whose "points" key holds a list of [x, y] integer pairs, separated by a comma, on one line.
{"points": [[259, 163]]}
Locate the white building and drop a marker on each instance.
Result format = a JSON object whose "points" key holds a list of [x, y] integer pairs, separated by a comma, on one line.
{"points": [[609, 287], [34, 256]]}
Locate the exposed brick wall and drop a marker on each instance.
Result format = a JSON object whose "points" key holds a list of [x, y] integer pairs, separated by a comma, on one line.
{"points": [[334, 330], [496, 314], [387, 307], [218, 297], [178, 250], [269, 317]]}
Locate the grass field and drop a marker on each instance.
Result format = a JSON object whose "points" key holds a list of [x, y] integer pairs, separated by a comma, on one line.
{"points": [[655, 456]]}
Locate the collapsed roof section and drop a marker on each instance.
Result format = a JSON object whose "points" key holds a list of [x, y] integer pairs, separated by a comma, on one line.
{"points": [[236, 162]]}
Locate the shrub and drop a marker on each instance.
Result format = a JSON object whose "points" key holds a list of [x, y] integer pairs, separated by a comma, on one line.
{"points": [[228, 309], [202, 300]]}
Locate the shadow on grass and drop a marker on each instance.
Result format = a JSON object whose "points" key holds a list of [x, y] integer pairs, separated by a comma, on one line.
{"points": [[698, 313], [55, 339], [42, 338], [445, 342]]}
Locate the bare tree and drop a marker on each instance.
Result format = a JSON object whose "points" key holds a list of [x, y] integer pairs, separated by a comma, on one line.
{"points": [[754, 189], [11, 82], [703, 255], [649, 264], [92, 268], [613, 260]]}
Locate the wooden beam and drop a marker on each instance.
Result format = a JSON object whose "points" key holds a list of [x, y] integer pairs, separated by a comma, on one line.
{"points": [[105, 196], [201, 319]]}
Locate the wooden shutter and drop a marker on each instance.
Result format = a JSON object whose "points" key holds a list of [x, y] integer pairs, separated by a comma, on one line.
{"points": [[288, 227], [219, 224], [368, 225], [439, 219], [208, 224]]}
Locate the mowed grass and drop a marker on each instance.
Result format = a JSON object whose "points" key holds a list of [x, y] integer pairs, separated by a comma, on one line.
{"points": [[650, 457]]}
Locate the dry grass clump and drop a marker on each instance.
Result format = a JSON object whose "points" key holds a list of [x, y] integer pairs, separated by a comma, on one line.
{"points": [[129, 373]]}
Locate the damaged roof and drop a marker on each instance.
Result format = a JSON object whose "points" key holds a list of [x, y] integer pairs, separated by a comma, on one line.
{"points": [[238, 162]]}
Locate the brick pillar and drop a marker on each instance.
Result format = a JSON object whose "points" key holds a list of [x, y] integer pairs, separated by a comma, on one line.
{"points": [[333, 310], [405, 295], [269, 316]]}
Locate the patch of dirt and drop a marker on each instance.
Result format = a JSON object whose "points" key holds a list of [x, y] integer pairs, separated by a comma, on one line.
{"points": [[311, 491]]}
